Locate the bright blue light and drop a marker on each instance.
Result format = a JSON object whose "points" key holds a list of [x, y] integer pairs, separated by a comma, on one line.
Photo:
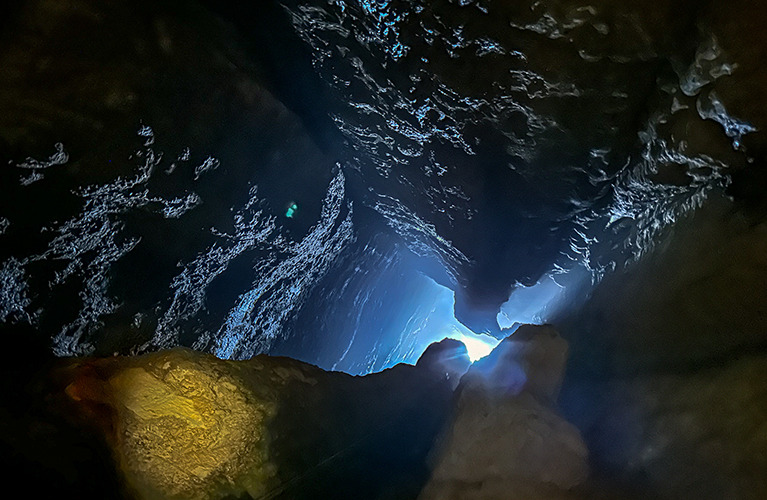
{"points": [[541, 302], [436, 324], [392, 314], [478, 346]]}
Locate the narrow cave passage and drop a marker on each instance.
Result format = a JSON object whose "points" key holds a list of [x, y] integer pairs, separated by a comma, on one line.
{"points": [[267, 250]]}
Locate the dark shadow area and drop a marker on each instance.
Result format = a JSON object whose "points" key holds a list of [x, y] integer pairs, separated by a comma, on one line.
{"points": [[366, 440]]}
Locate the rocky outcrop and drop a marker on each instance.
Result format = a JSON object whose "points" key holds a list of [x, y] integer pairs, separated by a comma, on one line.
{"points": [[699, 299], [182, 424], [506, 439], [186, 425], [79, 79], [448, 359]]}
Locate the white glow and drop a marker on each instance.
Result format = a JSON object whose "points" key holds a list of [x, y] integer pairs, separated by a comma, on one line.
{"points": [[431, 320], [478, 346], [538, 303]]}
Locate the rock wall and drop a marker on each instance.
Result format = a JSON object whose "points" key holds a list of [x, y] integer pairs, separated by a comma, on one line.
{"points": [[183, 424], [667, 377]]}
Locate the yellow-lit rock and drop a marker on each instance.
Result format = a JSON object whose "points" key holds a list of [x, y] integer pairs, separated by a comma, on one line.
{"points": [[184, 426]]}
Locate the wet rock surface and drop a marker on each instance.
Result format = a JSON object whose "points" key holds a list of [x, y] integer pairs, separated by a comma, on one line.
{"points": [[605, 116], [135, 137], [474, 136]]}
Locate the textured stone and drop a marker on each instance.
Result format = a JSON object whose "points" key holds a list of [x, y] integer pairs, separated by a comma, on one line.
{"points": [[182, 425], [667, 374], [506, 440], [697, 434], [186, 425], [700, 297]]}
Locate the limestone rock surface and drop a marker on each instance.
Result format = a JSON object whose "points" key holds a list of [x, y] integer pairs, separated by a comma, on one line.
{"points": [[667, 378], [186, 425], [506, 439], [698, 434]]}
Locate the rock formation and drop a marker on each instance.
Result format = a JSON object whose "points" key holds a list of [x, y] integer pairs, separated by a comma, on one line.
{"points": [[668, 376], [483, 139], [448, 359], [183, 424], [506, 439]]}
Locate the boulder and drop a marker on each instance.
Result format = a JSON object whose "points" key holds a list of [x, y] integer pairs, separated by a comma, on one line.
{"points": [[506, 438], [532, 359], [447, 359]]}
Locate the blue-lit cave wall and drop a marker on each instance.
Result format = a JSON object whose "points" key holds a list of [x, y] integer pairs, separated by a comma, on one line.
{"points": [[331, 169], [378, 309]]}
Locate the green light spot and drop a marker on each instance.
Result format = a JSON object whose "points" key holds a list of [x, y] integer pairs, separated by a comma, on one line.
{"points": [[291, 210]]}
